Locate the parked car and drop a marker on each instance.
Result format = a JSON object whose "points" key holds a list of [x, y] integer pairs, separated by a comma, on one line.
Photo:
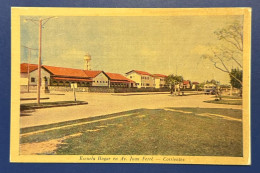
{"points": [[210, 90]]}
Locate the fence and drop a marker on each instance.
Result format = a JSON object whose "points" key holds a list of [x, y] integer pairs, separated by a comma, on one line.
{"points": [[99, 89], [126, 90]]}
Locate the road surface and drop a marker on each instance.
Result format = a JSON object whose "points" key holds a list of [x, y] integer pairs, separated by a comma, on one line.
{"points": [[107, 103]]}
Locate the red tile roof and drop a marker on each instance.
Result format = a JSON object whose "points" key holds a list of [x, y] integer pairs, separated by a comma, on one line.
{"points": [[61, 71], [91, 73], [24, 67], [118, 77], [141, 72], [186, 82], [159, 75]]}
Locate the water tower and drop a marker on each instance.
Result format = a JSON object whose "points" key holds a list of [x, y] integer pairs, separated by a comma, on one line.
{"points": [[87, 59]]}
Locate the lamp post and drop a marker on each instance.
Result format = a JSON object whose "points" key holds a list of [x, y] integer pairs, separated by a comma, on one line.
{"points": [[28, 66], [39, 63], [41, 21]]}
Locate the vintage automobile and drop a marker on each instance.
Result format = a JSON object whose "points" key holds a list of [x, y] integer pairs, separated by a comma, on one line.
{"points": [[210, 90]]}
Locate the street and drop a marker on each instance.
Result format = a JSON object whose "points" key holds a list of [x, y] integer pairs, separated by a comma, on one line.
{"points": [[107, 103]]}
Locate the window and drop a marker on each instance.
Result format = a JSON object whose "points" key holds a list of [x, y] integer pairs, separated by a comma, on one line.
{"points": [[130, 77], [106, 81], [61, 83], [147, 84], [97, 81], [67, 83], [32, 79], [54, 83]]}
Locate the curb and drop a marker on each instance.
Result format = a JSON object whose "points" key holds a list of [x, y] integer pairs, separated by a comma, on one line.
{"points": [[52, 106]]}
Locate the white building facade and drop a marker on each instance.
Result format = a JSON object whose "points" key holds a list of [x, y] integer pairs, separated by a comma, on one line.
{"points": [[141, 78]]}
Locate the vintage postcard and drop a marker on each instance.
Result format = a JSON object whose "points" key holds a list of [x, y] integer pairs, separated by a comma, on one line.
{"points": [[117, 85]]}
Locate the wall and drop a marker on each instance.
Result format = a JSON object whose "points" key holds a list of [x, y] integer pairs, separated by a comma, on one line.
{"points": [[44, 73], [23, 88], [101, 89], [95, 89], [100, 80], [147, 81], [162, 81], [157, 82], [23, 75], [81, 89], [135, 77], [126, 90]]}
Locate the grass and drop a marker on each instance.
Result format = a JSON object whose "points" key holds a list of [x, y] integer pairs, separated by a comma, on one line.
{"points": [[30, 106], [150, 132], [228, 102], [232, 97]]}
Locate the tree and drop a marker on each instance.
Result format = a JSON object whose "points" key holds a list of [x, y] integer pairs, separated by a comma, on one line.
{"points": [[201, 85], [173, 80], [229, 49], [238, 75]]}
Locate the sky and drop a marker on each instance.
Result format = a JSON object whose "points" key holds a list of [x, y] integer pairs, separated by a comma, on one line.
{"points": [[118, 44]]}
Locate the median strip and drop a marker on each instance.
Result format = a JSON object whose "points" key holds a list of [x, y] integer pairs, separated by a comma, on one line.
{"points": [[77, 124], [206, 115], [221, 116], [32, 106]]}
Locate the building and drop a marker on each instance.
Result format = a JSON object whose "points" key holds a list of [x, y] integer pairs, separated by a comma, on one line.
{"points": [[141, 78], [61, 76], [29, 75], [99, 78], [160, 80], [195, 85], [186, 84], [118, 80]]}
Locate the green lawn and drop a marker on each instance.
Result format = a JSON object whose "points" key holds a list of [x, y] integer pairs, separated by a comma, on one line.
{"points": [[149, 132], [232, 97], [228, 102]]}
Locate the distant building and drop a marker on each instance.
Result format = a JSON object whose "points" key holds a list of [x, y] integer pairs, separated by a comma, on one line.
{"points": [[160, 80], [99, 78], [186, 84], [31, 78], [141, 78], [118, 80], [195, 85], [60, 76]]}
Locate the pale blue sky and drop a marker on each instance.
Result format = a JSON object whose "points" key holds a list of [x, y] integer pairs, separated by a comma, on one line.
{"points": [[120, 44]]}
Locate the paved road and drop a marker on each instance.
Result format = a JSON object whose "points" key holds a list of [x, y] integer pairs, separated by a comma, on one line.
{"points": [[106, 103]]}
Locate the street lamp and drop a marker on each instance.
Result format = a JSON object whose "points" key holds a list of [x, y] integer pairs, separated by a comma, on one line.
{"points": [[42, 22]]}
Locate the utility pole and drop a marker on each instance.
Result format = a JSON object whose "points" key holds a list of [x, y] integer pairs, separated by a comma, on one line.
{"points": [[41, 21], [39, 63], [28, 71], [28, 66]]}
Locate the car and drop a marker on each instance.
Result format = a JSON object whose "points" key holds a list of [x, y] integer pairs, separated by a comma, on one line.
{"points": [[210, 91]]}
